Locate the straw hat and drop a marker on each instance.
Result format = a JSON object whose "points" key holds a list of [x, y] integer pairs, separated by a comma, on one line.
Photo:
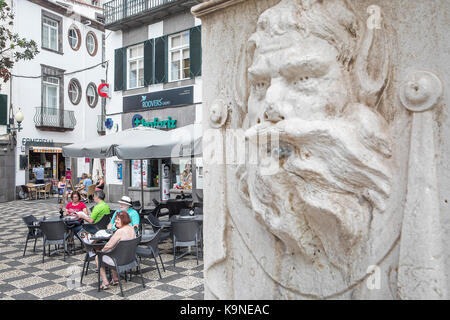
{"points": [[125, 200]]}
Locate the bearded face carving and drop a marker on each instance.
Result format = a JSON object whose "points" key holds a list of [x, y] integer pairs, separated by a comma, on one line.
{"points": [[334, 148]]}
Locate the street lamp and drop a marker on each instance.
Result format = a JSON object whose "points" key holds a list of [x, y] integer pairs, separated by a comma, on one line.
{"points": [[19, 118]]}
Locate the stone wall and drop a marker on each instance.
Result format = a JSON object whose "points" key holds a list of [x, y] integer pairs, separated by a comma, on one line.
{"points": [[7, 172], [349, 200]]}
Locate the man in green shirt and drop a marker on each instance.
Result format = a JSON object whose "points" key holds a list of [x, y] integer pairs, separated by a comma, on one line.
{"points": [[100, 209]]}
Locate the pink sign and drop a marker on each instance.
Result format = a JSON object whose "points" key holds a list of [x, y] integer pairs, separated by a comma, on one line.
{"points": [[68, 175]]}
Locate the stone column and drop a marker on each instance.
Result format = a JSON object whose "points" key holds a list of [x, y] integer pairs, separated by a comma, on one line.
{"points": [[348, 198]]}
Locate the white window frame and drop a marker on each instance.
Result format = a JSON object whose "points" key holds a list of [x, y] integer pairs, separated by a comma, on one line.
{"points": [[139, 60], [78, 91], [76, 37], [90, 36], [180, 49], [45, 84], [48, 27]]}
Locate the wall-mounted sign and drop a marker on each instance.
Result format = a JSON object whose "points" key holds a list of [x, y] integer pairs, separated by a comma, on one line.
{"points": [[103, 90], [109, 123], [119, 171], [138, 120], [160, 99], [37, 142]]}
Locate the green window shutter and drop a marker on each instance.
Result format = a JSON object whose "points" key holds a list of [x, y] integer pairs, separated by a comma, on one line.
{"points": [[148, 62], [195, 45], [3, 109], [161, 75], [120, 69]]}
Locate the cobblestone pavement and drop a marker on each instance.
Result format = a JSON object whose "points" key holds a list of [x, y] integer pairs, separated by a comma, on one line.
{"points": [[28, 278]]}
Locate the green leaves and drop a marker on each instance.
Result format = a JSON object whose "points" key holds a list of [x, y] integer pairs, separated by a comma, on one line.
{"points": [[13, 48]]}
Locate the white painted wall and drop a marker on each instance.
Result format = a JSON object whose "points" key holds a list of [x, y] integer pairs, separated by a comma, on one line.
{"points": [[27, 92]]}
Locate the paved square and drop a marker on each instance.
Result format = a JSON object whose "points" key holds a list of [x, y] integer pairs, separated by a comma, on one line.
{"points": [[28, 278]]}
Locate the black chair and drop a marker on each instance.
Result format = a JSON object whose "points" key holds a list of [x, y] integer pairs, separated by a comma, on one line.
{"points": [[136, 205], [124, 257], [185, 212], [54, 233], [33, 231], [155, 202], [89, 248], [157, 224], [151, 250], [100, 225], [185, 234], [198, 211]]}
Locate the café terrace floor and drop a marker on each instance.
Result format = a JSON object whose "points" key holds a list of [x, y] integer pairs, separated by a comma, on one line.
{"points": [[28, 278]]}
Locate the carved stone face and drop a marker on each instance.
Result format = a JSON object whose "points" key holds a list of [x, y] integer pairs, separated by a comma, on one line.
{"points": [[332, 153], [302, 80]]}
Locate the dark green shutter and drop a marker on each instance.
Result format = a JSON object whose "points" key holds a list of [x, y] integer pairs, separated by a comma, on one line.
{"points": [[161, 75], [195, 44], [3, 109], [148, 62], [120, 69]]}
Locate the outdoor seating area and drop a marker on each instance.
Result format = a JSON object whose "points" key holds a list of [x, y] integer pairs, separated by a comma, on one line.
{"points": [[40, 250]]}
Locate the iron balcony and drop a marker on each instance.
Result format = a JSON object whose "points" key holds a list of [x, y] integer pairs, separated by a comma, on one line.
{"points": [[126, 14]]}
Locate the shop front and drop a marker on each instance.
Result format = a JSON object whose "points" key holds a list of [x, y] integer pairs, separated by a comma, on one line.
{"points": [[162, 178]]}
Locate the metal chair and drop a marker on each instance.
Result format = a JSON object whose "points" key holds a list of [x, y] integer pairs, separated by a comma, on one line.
{"points": [[90, 247], [185, 234], [54, 233], [157, 224], [124, 257], [151, 250], [33, 231], [100, 225]]}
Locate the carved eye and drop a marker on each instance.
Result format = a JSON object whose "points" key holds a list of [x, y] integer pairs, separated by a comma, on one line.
{"points": [[260, 87], [301, 81]]}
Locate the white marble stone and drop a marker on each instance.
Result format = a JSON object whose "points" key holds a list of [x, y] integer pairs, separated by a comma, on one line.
{"points": [[349, 200]]}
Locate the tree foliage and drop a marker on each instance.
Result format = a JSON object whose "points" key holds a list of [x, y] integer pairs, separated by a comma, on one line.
{"points": [[12, 47]]}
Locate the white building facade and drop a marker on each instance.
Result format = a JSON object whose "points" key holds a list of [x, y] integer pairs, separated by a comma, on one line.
{"points": [[57, 90], [154, 54]]}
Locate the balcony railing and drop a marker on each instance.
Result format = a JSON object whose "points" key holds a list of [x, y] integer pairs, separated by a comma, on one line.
{"points": [[117, 12], [54, 119], [101, 124]]}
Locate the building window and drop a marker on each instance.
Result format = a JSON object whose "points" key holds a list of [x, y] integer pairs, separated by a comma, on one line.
{"points": [[149, 171], [74, 91], [91, 95], [50, 33], [91, 43], [135, 66], [50, 95], [74, 37], [179, 59]]}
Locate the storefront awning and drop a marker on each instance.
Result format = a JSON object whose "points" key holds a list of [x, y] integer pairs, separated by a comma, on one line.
{"points": [[47, 149]]}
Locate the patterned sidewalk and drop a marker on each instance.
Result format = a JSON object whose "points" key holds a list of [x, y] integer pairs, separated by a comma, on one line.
{"points": [[28, 278]]}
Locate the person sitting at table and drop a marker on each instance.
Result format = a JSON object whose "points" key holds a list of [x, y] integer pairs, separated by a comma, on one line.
{"points": [[84, 187], [100, 185], [125, 205], [100, 209], [124, 231], [75, 208]]}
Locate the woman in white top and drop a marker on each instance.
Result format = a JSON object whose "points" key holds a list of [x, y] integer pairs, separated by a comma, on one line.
{"points": [[124, 232]]}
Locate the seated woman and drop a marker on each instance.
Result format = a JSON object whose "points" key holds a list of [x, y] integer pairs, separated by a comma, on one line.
{"points": [[100, 185], [75, 208], [124, 232]]}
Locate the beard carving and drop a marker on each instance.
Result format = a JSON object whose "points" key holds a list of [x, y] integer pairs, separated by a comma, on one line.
{"points": [[333, 154]]}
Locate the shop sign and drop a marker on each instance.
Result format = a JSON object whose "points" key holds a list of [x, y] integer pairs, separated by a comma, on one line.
{"points": [[37, 142], [68, 175], [138, 120], [159, 99]]}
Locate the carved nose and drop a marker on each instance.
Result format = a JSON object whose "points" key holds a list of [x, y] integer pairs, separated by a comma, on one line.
{"points": [[272, 115]]}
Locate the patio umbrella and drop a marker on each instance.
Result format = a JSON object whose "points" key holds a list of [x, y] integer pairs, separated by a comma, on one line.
{"points": [[104, 146], [177, 143]]}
